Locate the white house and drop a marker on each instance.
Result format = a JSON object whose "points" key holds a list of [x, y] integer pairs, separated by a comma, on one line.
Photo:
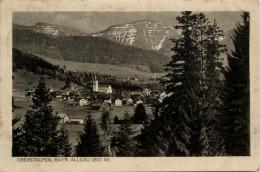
{"points": [[163, 95], [118, 102], [64, 118], [139, 102], [83, 102], [51, 90], [108, 101], [77, 120], [129, 101], [58, 96], [147, 92]]}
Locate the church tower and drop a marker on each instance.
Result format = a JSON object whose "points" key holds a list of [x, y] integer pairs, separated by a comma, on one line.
{"points": [[95, 84]]}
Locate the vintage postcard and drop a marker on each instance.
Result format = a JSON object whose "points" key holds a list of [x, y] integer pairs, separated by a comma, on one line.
{"points": [[130, 85]]}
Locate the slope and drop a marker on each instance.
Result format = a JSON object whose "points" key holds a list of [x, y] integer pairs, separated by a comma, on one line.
{"points": [[86, 49]]}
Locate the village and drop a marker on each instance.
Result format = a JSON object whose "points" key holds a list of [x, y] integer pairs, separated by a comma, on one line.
{"points": [[102, 98], [73, 104]]}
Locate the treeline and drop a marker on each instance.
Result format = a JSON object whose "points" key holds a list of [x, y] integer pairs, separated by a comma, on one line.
{"points": [[39, 66], [33, 63]]}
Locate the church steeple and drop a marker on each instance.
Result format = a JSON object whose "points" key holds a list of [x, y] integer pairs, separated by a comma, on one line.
{"points": [[95, 84]]}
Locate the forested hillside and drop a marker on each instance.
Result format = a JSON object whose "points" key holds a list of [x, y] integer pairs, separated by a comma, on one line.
{"points": [[86, 49], [39, 66]]}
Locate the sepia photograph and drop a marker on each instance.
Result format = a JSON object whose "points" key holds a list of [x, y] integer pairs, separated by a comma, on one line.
{"points": [[130, 84]]}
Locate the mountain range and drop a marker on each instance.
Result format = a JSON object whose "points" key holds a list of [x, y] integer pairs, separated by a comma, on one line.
{"points": [[85, 48], [143, 42]]}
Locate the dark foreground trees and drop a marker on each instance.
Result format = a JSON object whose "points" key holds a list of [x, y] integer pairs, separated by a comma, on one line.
{"points": [[89, 144], [39, 134], [122, 142], [65, 148], [16, 133], [140, 115], [105, 126], [237, 79], [188, 122]]}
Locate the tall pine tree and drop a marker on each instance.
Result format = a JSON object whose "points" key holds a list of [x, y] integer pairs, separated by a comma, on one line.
{"points": [[105, 126], [189, 118], [64, 144], [89, 143], [237, 137], [40, 134], [16, 133], [140, 115], [151, 141], [179, 108], [122, 141], [211, 86]]}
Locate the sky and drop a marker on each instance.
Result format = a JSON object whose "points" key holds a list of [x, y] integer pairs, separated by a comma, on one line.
{"points": [[91, 22]]}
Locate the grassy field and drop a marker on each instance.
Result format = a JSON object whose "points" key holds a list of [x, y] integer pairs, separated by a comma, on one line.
{"points": [[75, 129], [22, 79], [119, 71]]}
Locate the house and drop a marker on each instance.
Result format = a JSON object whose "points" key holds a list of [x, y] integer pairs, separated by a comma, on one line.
{"points": [[64, 118], [118, 102], [139, 102], [146, 92], [51, 90], [96, 105], [65, 97], [59, 96], [129, 101], [83, 102], [163, 95], [76, 120], [108, 101], [103, 88]]}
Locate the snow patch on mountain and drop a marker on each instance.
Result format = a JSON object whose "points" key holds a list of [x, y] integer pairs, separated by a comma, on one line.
{"points": [[148, 35], [56, 30]]}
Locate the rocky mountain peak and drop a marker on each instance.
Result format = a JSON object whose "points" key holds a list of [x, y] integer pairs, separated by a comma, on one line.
{"points": [[56, 30], [145, 34]]}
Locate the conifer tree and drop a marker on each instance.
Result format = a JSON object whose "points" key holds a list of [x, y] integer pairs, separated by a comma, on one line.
{"points": [[16, 133], [211, 86], [40, 134], [140, 114], [237, 79], [190, 116], [105, 126], [122, 141], [116, 120], [64, 144], [89, 143], [152, 142], [182, 87]]}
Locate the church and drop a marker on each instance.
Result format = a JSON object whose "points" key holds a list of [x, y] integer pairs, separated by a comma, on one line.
{"points": [[103, 88]]}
